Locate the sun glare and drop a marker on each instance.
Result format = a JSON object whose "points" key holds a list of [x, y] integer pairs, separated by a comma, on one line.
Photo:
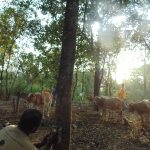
{"points": [[95, 28], [148, 15], [127, 61], [1, 1], [118, 20]]}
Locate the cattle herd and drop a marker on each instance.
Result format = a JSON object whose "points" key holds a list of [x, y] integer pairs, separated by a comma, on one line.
{"points": [[107, 106]]}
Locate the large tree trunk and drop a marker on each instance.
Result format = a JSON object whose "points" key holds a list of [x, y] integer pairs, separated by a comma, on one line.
{"points": [[97, 80], [64, 84]]}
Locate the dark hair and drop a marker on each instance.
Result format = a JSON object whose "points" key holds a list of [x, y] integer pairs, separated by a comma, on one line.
{"points": [[30, 120]]}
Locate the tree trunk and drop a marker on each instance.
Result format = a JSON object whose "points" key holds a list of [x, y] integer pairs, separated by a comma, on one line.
{"points": [[144, 75], [82, 87], [64, 83], [106, 87], [75, 84], [97, 80], [6, 79], [1, 75], [110, 87]]}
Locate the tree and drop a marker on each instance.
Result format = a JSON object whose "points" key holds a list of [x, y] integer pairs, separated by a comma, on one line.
{"points": [[13, 24], [136, 83], [64, 84], [108, 41]]}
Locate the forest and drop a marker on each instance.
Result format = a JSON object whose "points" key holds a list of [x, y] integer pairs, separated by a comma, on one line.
{"points": [[74, 46]]}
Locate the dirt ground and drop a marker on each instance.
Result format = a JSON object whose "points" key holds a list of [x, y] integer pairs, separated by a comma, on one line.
{"points": [[89, 132]]}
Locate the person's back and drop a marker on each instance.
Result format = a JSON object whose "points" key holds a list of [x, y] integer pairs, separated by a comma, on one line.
{"points": [[16, 137], [11, 138]]}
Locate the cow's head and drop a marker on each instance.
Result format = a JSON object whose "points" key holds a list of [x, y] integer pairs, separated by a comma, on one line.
{"points": [[90, 98], [30, 97], [131, 107]]}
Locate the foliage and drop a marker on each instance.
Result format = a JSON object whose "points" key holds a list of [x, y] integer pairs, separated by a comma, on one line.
{"points": [[136, 84], [37, 25]]}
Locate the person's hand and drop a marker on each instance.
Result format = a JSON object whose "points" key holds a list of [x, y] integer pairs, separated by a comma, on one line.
{"points": [[43, 142], [45, 139], [53, 138]]}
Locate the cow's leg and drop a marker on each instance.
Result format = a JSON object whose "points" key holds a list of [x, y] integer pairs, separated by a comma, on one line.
{"points": [[142, 119], [110, 114], [48, 108], [30, 105], [104, 115], [120, 118], [146, 120], [43, 112]]}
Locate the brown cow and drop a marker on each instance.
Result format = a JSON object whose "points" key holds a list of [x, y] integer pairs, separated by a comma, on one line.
{"points": [[142, 108], [47, 99], [109, 105], [43, 100]]}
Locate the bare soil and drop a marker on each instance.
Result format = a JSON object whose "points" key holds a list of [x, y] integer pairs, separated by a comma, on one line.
{"points": [[89, 132]]}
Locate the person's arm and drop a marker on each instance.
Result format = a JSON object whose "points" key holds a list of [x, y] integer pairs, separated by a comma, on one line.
{"points": [[48, 140], [43, 142], [38, 145], [52, 141]]}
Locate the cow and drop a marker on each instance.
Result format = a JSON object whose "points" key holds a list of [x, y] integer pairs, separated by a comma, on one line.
{"points": [[109, 105], [47, 99], [142, 108], [40, 100]]}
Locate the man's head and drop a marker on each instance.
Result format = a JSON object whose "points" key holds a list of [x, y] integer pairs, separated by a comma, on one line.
{"points": [[30, 121]]}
